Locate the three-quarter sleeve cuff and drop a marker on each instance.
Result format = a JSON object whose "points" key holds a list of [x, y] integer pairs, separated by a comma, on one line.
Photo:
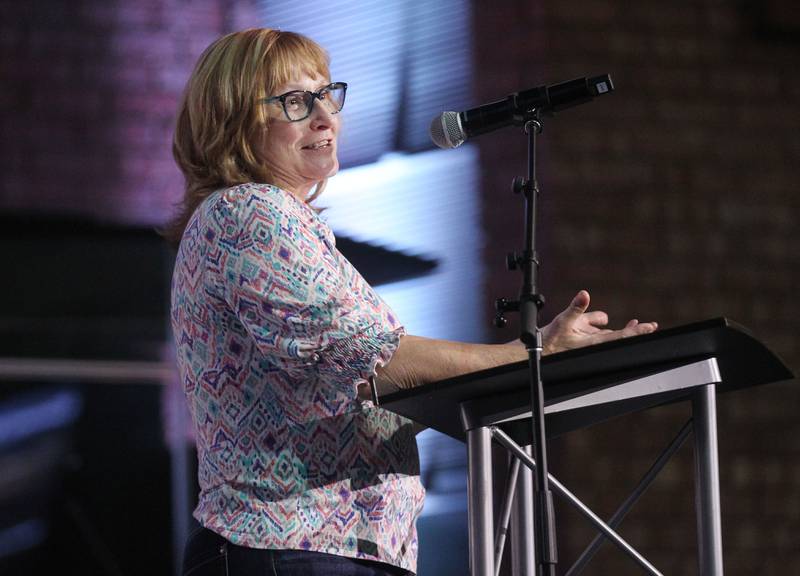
{"points": [[349, 362]]}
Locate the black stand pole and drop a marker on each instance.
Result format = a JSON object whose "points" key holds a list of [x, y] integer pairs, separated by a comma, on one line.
{"points": [[529, 304]]}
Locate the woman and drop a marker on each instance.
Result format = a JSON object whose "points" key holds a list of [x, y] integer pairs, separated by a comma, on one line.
{"points": [[278, 336]]}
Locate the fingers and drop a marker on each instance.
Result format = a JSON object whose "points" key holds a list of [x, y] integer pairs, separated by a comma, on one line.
{"points": [[593, 323], [633, 328], [596, 318], [575, 322], [576, 308], [580, 301], [636, 328]]}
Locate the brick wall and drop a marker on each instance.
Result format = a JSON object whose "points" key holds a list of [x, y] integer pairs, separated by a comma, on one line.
{"points": [[673, 199], [89, 95]]}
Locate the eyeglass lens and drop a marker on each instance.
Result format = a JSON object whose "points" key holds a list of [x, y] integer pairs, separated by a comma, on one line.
{"points": [[298, 105]]}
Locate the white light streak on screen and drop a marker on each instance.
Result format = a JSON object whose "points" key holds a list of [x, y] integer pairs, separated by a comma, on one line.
{"points": [[420, 204]]}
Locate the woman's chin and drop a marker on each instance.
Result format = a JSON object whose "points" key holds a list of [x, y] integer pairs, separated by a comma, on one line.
{"points": [[327, 170]]}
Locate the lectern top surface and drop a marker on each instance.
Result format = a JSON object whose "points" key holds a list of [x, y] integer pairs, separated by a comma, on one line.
{"points": [[743, 361]]}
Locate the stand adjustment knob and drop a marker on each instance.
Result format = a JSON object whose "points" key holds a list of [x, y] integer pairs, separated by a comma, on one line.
{"points": [[518, 184], [512, 260], [501, 306]]}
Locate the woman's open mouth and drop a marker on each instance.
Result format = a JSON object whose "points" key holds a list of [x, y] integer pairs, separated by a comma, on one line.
{"points": [[318, 145]]}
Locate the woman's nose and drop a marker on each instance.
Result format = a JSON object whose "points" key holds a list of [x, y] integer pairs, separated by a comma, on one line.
{"points": [[321, 116]]}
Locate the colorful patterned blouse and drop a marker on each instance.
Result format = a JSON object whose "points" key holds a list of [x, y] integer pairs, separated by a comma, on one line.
{"points": [[275, 330]]}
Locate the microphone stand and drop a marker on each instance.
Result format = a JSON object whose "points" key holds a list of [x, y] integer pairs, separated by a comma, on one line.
{"points": [[529, 304]]}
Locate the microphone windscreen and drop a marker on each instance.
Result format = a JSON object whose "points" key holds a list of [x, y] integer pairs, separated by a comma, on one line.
{"points": [[446, 130]]}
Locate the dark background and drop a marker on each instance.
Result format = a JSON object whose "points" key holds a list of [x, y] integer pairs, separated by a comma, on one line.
{"points": [[673, 199]]}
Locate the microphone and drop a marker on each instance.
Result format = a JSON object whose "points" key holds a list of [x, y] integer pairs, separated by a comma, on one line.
{"points": [[451, 129]]}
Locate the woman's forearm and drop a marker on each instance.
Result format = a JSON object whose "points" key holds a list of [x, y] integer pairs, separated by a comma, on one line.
{"points": [[419, 361]]}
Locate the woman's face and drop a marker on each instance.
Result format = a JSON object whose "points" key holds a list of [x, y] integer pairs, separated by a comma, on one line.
{"points": [[300, 154]]}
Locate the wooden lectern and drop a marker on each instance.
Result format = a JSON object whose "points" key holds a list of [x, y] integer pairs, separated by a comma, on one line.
{"points": [[583, 387]]}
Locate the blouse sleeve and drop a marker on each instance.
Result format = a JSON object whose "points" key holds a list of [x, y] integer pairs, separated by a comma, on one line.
{"points": [[291, 291]]}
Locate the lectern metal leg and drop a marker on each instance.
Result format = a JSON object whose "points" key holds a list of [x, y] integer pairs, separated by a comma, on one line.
{"points": [[523, 555], [481, 515], [560, 489], [709, 515], [505, 514]]}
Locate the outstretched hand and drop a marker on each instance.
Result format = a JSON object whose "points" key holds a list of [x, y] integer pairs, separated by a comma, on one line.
{"points": [[574, 327]]}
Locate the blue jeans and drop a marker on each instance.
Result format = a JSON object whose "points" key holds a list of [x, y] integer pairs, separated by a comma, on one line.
{"points": [[209, 554]]}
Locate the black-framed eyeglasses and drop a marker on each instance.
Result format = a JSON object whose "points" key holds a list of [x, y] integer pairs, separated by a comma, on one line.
{"points": [[298, 104]]}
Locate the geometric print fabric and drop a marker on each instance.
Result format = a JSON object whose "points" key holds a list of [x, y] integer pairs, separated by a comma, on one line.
{"points": [[275, 330]]}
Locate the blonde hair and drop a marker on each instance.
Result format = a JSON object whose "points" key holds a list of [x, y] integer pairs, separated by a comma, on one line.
{"points": [[220, 119]]}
